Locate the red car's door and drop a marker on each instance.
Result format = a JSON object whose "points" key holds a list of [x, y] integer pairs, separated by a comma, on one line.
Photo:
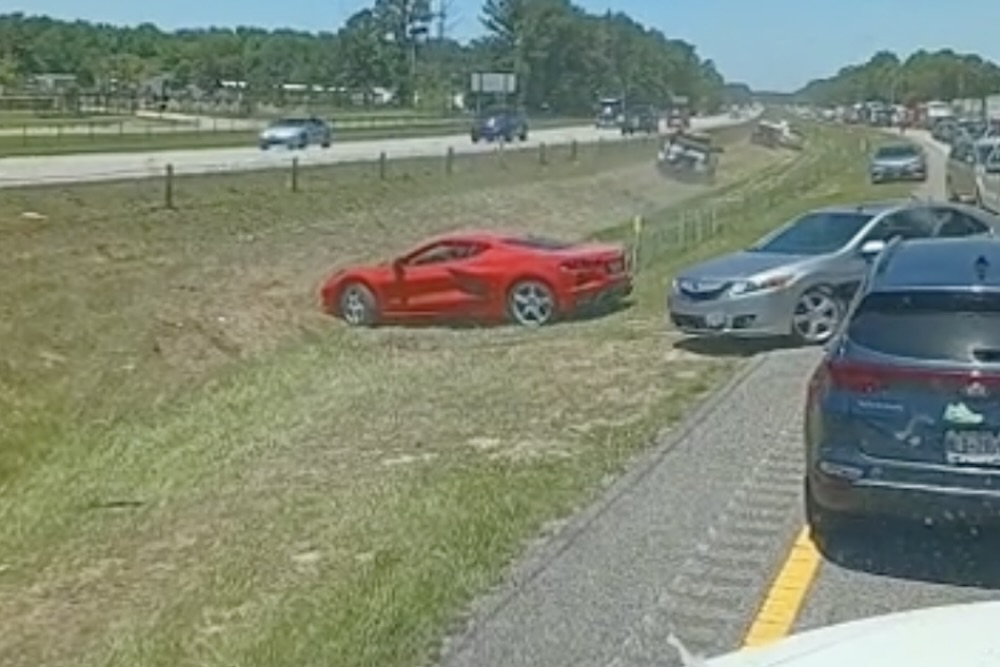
{"points": [[429, 284]]}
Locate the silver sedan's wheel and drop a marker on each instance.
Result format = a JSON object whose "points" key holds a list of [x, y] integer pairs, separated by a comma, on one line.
{"points": [[816, 316], [531, 303], [357, 305]]}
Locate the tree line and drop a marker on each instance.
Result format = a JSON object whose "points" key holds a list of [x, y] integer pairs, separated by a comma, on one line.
{"points": [[563, 56], [923, 76]]}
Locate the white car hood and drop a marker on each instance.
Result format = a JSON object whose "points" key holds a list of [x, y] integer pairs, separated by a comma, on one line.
{"points": [[964, 635]]}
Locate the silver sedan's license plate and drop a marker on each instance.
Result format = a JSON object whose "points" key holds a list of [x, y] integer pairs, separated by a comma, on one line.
{"points": [[972, 447], [715, 320]]}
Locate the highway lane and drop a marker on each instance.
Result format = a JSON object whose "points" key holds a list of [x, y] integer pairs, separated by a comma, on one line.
{"points": [[684, 544], [689, 544], [19, 171], [890, 567]]}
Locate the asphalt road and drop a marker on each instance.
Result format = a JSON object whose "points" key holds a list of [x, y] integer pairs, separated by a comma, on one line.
{"points": [[19, 171], [685, 547]]}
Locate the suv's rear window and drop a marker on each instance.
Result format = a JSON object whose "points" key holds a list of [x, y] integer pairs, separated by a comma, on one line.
{"points": [[943, 326]]}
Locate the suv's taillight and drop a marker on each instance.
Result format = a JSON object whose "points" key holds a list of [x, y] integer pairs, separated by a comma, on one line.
{"points": [[856, 377]]}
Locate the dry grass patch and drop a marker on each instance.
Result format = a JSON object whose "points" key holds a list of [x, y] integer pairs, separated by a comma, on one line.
{"points": [[281, 482]]}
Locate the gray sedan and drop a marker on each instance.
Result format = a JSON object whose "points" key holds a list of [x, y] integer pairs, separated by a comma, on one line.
{"points": [[799, 279], [898, 162], [296, 133]]}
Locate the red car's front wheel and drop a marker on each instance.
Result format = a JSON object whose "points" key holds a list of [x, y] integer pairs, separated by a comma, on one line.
{"points": [[531, 303], [357, 305]]}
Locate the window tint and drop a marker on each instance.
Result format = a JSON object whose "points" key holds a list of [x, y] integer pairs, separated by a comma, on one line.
{"points": [[909, 224], [986, 153], [951, 222], [943, 326], [960, 151], [444, 252], [538, 243], [897, 151], [816, 233]]}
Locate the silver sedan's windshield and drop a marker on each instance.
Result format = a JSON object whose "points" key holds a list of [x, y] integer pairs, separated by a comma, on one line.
{"points": [[814, 234]]}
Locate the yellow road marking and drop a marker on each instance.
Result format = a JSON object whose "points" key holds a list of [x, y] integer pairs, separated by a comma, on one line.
{"points": [[788, 592]]}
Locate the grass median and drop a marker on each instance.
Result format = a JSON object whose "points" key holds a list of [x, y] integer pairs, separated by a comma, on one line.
{"points": [[98, 140], [218, 473]]}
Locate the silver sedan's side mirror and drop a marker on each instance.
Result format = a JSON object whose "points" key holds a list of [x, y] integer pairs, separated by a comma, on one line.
{"points": [[870, 249]]}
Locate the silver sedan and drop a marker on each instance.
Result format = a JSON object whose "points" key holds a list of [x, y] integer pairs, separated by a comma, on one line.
{"points": [[799, 280]]}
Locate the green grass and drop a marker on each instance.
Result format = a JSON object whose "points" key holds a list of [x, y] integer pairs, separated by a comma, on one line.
{"points": [[17, 120], [182, 138], [221, 475]]}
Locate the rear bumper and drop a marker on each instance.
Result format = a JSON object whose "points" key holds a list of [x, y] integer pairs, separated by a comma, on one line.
{"points": [[916, 492], [894, 177], [599, 296], [761, 315]]}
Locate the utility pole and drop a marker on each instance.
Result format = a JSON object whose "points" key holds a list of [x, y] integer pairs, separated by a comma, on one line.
{"points": [[445, 24]]}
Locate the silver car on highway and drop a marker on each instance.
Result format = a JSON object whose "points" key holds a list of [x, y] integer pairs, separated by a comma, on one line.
{"points": [[798, 280], [296, 133], [898, 162]]}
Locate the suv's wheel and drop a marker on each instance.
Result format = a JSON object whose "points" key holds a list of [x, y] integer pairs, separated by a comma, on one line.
{"points": [[531, 303], [825, 526], [816, 316], [357, 305]]}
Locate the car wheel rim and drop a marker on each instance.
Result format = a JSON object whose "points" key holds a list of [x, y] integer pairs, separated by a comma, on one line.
{"points": [[353, 307], [531, 304], [816, 317]]}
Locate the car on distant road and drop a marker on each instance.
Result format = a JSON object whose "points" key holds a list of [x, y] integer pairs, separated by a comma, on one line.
{"points": [[641, 119], [902, 418], [482, 276], [945, 130], [296, 133], [499, 124], [973, 172], [798, 280], [898, 162]]}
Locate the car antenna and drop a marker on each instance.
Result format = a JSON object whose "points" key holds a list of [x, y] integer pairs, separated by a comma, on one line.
{"points": [[981, 265]]}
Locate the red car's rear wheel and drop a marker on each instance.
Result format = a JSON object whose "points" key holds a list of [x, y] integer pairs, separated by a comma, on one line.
{"points": [[357, 305], [531, 303]]}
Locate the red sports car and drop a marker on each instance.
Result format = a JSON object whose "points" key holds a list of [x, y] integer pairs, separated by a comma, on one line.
{"points": [[484, 277]]}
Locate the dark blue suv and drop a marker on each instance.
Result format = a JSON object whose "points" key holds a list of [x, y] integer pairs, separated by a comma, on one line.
{"points": [[499, 124], [903, 413]]}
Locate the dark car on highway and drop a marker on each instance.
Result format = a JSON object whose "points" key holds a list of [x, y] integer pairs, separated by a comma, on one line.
{"points": [[902, 414], [945, 130], [499, 124], [642, 120], [898, 162]]}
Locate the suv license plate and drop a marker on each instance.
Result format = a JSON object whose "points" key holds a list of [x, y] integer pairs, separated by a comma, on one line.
{"points": [[972, 447]]}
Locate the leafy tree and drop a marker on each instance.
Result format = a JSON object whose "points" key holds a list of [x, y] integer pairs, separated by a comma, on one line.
{"points": [[922, 76], [564, 57]]}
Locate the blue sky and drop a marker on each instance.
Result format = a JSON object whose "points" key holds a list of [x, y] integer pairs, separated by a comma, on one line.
{"points": [[773, 44]]}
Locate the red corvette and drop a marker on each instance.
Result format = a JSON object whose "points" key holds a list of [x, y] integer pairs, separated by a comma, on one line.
{"points": [[484, 277]]}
